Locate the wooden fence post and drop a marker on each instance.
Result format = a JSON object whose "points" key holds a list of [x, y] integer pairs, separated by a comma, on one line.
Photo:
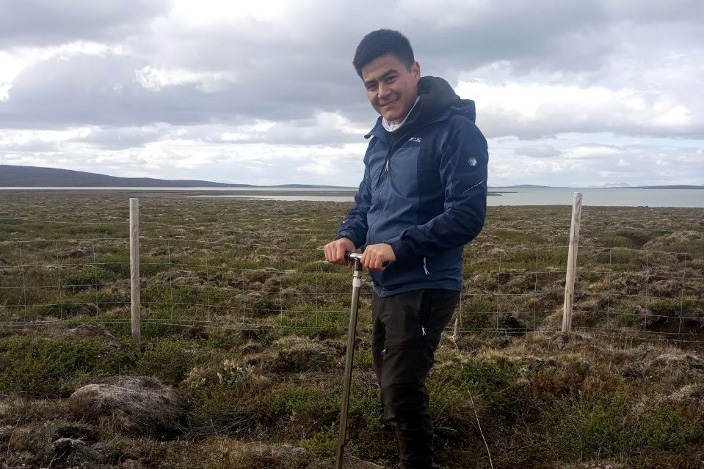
{"points": [[572, 262], [134, 271]]}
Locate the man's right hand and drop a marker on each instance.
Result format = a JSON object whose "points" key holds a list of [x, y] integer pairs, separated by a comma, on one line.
{"points": [[335, 250]]}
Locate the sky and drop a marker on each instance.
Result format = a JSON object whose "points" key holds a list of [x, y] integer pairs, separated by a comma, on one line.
{"points": [[582, 93]]}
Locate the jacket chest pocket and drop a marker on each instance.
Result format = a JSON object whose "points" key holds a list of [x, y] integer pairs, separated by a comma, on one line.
{"points": [[401, 173]]}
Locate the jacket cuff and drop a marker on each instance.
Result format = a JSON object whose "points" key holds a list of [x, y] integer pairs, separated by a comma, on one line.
{"points": [[348, 236], [402, 251]]}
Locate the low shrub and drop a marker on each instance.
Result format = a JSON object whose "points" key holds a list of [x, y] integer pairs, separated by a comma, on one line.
{"points": [[52, 367], [576, 428], [168, 360], [666, 428]]}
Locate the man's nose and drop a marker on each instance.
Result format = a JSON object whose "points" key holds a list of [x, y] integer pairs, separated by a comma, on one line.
{"points": [[382, 90]]}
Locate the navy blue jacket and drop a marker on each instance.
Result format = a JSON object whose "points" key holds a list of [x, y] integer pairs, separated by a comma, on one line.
{"points": [[423, 192]]}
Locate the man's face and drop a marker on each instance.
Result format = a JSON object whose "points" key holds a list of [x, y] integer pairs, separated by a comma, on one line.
{"points": [[391, 87]]}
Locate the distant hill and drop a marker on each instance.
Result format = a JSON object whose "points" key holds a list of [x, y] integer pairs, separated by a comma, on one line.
{"points": [[528, 186], [32, 176], [618, 186], [677, 186]]}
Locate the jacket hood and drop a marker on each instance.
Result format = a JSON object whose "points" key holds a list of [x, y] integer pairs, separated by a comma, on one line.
{"points": [[436, 95]]}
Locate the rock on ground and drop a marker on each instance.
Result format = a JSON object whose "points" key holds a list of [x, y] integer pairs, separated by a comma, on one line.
{"points": [[140, 405], [351, 462]]}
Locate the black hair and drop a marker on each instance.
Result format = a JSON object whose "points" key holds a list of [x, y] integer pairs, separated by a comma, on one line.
{"points": [[382, 42]]}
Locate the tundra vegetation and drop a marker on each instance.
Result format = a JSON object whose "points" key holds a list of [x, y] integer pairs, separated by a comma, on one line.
{"points": [[243, 339]]}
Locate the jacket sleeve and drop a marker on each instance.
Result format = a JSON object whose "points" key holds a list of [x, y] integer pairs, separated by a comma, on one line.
{"points": [[354, 226], [463, 174]]}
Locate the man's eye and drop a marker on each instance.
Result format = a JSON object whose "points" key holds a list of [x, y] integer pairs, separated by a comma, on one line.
{"points": [[371, 87]]}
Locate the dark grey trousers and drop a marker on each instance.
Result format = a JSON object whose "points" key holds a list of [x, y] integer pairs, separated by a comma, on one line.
{"points": [[406, 330]]}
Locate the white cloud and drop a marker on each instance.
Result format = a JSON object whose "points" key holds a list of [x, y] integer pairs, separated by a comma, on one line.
{"points": [[533, 110], [209, 12], [592, 151], [155, 79]]}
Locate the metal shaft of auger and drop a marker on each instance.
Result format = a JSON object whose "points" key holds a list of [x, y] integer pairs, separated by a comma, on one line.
{"points": [[347, 380]]}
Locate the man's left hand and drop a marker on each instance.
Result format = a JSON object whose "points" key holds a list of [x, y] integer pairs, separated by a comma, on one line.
{"points": [[377, 256]]}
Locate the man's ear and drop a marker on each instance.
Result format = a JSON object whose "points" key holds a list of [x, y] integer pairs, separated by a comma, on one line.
{"points": [[415, 70]]}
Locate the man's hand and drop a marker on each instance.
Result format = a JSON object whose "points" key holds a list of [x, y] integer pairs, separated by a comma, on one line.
{"points": [[335, 250], [377, 256]]}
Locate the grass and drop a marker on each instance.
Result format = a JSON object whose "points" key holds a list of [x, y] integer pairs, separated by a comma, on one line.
{"points": [[243, 319], [52, 367]]}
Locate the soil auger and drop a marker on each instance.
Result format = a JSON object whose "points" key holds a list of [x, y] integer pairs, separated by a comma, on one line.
{"points": [[351, 335]]}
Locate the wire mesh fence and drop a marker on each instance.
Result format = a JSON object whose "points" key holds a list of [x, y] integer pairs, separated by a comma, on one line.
{"points": [[259, 264]]}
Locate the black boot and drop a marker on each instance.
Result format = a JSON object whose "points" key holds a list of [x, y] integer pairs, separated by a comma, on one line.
{"points": [[415, 443]]}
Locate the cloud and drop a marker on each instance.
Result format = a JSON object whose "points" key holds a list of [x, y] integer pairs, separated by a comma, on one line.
{"points": [[593, 92], [535, 110], [155, 79], [27, 23], [122, 138], [538, 150], [595, 160]]}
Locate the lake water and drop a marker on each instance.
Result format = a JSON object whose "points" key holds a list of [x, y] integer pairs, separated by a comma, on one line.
{"points": [[600, 197], [498, 195], [548, 196]]}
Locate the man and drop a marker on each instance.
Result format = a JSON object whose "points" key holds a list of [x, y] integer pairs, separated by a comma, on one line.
{"points": [[422, 198]]}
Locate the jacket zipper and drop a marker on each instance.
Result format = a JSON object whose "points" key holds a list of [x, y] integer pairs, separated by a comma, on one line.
{"points": [[387, 162], [398, 143]]}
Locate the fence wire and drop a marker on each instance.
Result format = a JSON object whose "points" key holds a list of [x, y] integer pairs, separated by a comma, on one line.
{"points": [[213, 263], [197, 283]]}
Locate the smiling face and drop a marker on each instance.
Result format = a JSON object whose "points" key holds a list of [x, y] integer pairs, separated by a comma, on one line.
{"points": [[392, 88]]}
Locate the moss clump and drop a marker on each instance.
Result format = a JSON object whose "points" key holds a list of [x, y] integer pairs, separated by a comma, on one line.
{"points": [[322, 442], [52, 367], [493, 378], [302, 409], [576, 427], [666, 427], [167, 359]]}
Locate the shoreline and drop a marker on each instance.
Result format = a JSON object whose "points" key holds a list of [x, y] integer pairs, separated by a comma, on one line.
{"points": [[185, 192], [660, 198]]}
